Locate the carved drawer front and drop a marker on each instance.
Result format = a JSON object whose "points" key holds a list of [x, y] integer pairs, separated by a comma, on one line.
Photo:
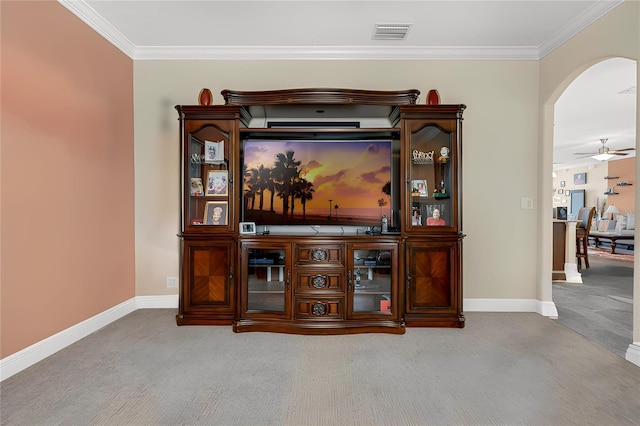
{"points": [[323, 254], [328, 308], [319, 281]]}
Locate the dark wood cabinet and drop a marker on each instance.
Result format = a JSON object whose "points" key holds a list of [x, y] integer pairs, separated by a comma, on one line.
{"points": [[265, 280], [293, 286], [257, 252], [373, 281], [433, 217], [432, 276], [208, 219], [207, 293]]}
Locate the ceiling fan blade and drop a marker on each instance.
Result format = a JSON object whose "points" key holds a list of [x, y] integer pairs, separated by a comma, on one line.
{"points": [[623, 149], [585, 153], [617, 153]]}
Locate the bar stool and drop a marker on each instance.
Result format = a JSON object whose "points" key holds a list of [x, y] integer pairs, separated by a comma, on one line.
{"points": [[585, 216]]}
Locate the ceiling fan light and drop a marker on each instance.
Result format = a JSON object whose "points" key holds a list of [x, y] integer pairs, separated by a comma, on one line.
{"points": [[603, 157]]}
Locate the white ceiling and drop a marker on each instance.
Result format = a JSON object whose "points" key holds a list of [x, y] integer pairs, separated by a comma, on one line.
{"points": [[590, 109], [337, 29], [597, 104]]}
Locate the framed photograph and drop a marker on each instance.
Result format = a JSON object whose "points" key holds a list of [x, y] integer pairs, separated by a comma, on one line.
{"points": [[419, 188], [247, 228], [196, 187], [560, 191], [217, 182], [213, 152], [579, 178], [215, 213], [567, 192], [436, 214], [556, 200], [562, 183]]}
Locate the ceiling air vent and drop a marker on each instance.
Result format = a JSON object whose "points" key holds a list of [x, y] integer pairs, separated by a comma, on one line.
{"points": [[391, 31]]}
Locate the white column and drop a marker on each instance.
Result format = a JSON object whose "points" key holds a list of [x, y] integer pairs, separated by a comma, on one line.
{"points": [[570, 264]]}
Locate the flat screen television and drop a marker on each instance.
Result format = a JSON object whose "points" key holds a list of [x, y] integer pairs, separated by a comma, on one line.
{"points": [[320, 182]]}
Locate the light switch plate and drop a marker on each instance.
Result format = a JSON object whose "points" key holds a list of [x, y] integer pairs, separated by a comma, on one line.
{"points": [[526, 203]]}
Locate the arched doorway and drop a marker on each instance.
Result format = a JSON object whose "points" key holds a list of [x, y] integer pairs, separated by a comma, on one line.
{"points": [[599, 102]]}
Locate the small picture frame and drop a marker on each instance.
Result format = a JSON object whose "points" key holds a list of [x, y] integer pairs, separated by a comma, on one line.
{"points": [[196, 187], [419, 188], [215, 213], [580, 179], [217, 182], [560, 191], [562, 184], [247, 228], [567, 192], [213, 152]]}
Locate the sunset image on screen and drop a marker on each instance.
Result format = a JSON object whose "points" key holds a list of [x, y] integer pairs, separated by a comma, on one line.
{"points": [[316, 181]]}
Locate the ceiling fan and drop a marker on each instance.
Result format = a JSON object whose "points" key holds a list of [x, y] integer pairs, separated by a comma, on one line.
{"points": [[604, 153]]}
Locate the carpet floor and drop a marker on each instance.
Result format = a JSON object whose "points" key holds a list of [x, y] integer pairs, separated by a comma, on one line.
{"points": [[501, 369]]}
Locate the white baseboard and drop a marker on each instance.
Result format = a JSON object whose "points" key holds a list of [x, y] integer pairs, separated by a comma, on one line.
{"points": [[169, 301], [547, 309], [633, 353], [25, 358]]}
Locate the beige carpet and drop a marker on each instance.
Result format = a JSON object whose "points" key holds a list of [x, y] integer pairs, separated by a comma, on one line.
{"points": [[503, 368]]}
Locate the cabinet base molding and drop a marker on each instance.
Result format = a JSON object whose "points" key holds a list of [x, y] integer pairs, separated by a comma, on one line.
{"points": [[201, 320], [450, 321], [320, 327]]}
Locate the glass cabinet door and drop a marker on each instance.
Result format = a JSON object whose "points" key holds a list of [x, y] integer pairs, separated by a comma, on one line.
{"points": [[268, 281], [371, 279], [430, 179], [207, 181]]}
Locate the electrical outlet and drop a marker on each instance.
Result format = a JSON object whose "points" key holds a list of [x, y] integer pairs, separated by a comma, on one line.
{"points": [[172, 282]]}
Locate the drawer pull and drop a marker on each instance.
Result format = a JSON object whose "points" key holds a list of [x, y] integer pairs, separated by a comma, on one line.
{"points": [[319, 308], [319, 281], [319, 255]]}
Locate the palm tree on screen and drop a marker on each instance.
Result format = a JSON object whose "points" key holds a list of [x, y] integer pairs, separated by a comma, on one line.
{"points": [[285, 169], [306, 194]]}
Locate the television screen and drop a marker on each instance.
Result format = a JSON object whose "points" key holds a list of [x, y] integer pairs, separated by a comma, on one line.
{"points": [[305, 182]]}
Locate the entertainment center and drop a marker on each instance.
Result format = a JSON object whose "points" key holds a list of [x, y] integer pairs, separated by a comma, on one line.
{"points": [[321, 211]]}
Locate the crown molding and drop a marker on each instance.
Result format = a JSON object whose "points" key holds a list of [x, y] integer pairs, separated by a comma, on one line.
{"points": [[335, 52], [591, 15], [103, 27], [89, 16]]}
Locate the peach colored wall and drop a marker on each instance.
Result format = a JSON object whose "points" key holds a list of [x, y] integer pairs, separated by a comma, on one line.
{"points": [[625, 169], [67, 178]]}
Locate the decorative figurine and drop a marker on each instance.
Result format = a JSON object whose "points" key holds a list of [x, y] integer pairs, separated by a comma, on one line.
{"points": [[433, 97], [205, 97], [444, 154]]}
